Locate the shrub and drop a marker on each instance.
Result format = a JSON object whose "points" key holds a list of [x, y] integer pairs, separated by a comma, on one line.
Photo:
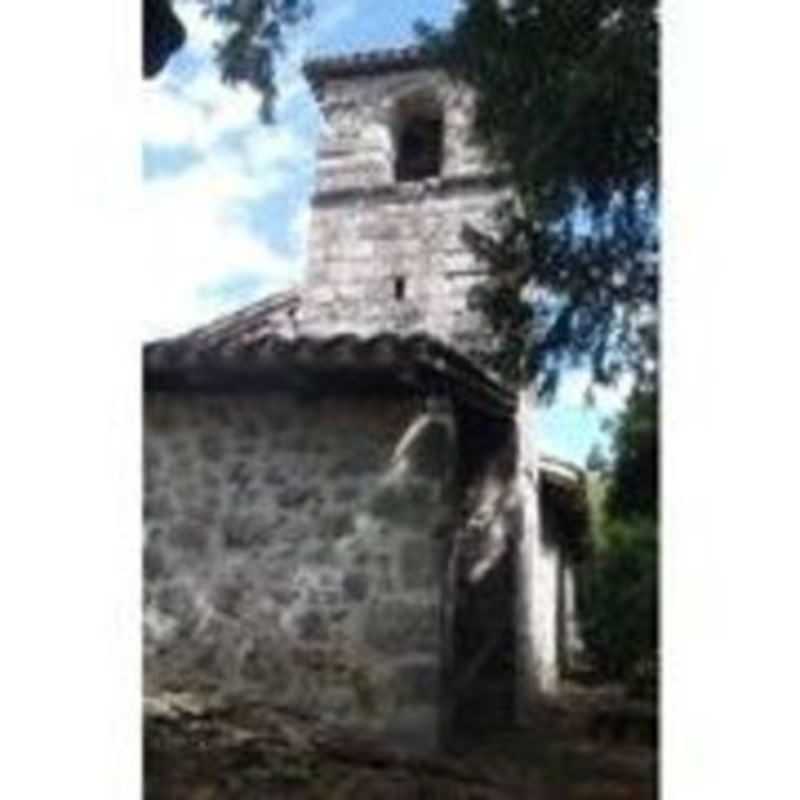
{"points": [[620, 620]]}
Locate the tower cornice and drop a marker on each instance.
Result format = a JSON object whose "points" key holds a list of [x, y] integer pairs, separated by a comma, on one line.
{"points": [[372, 62]]}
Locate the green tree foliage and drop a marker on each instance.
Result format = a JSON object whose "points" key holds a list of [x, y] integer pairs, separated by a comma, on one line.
{"points": [[620, 626], [252, 35], [634, 484], [621, 611], [567, 106], [596, 461]]}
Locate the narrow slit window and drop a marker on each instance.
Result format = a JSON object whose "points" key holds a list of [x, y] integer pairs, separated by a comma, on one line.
{"points": [[400, 288]]}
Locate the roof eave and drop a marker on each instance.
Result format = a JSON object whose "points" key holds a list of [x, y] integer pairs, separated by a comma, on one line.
{"points": [[372, 62], [386, 360]]}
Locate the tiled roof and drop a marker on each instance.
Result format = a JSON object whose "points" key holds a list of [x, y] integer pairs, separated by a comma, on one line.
{"points": [[364, 63], [263, 344], [241, 324]]}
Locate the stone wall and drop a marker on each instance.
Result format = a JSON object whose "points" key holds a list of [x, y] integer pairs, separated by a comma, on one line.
{"points": [[358, 252], [292, 554], [511, 599], [388, 255], [357, 144]]}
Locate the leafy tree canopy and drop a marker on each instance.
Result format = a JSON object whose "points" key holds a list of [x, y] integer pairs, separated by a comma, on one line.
{"points": [[634, 479], [620, 611], [567, 105], [620, 620], [252, 34], [620, 598]]}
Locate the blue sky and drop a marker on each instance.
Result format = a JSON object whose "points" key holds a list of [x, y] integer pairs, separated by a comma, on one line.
{"points": [[226, 197]]}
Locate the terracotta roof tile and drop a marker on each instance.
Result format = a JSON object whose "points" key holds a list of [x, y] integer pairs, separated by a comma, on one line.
{"points": [[367, 62], [266, 339]]}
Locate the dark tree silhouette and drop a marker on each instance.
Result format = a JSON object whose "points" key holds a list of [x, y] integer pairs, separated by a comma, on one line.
{"points": [[162, 35], [252, 34], [567, 105]]}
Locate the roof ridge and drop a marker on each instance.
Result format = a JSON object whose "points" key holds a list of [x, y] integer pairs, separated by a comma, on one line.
{"points": [[321, 66], [230, 324]]}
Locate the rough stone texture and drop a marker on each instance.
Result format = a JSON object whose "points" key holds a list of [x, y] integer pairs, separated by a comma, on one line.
{"points": [[537, 578], [398, 627], [417, 682], [364, 113], [482, 670], [265, 577], [297, 548], [509, 566], [369, 230]]}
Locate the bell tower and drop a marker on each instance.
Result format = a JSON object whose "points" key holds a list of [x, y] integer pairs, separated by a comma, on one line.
{"points": [[397, 178]]}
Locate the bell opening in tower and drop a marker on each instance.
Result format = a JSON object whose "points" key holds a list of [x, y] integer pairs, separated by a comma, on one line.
{"points": [[419, 145]]}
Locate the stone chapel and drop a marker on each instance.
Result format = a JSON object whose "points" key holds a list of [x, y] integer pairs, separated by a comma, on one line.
{"points": [[344, 513]]}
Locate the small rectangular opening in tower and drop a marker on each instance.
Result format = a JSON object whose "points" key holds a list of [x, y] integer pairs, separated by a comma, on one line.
{"points": [[399, 288], [419, 149]]}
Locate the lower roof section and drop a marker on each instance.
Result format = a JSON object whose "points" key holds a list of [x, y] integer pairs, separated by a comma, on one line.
{"points": [[418, 361]]}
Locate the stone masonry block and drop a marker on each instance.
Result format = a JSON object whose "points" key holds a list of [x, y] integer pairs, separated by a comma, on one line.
{"points": [[399, 627]]}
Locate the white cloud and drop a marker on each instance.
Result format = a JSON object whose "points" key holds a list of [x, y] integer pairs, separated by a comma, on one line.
{"points": [[198, 218], [204, 252], [182, 106], [196, 241], [188, 105]]}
